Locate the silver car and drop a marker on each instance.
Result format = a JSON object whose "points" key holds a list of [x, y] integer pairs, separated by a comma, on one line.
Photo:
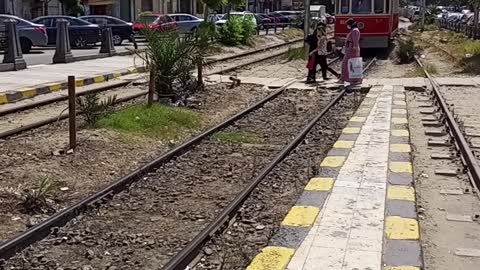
{"points": [[185, 22], [30, 34]]}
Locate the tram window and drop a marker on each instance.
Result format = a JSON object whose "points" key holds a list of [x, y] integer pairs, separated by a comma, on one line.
{"points": [[344, 6], [387, 6], [378, 5], [361, 6]]}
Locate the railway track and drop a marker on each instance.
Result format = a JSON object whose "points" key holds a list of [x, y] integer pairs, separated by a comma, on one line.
{"points": [[141, 196], [219, 66], [460, 119]]}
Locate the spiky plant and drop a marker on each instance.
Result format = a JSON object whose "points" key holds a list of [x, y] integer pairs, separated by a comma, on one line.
{"points": [[93, 108], [36, 200], [173, 58]]}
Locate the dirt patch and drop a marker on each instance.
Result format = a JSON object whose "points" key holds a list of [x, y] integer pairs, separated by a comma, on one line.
{"points": [[441, 237], [102, 156]]}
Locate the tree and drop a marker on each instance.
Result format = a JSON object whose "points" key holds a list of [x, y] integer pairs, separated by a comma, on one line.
{"points": [[210, 4], [72, 7]]}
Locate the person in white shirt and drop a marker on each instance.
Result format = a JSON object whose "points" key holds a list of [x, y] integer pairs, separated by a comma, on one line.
{"points": [[321, 52]]}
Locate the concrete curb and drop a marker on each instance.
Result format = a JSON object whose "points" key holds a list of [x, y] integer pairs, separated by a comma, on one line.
{"points": [[401, 234], [17, 95]]}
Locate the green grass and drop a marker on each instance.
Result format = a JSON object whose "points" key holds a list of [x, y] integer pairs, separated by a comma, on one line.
{"points": [[157, 121], [234, 137], [299, 53]]}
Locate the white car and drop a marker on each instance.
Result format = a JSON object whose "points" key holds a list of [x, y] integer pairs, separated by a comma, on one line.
{"points": [[241, 15]]}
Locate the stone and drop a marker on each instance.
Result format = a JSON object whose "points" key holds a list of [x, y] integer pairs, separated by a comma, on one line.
{"points": [[208, 251], [461, 218], [467, 252]]}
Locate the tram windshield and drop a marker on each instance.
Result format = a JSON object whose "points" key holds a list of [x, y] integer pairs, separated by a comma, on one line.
{"points": [[361, 6]]}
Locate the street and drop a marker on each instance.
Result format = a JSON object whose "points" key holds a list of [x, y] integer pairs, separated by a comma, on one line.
{"points": [[44, 55]]}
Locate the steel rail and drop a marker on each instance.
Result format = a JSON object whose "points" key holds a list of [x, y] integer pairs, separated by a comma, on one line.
{"points": [[63, 116], [468, 158], [183, 258], [188, 254], [51, 120], [126, 82], [40, 231]]}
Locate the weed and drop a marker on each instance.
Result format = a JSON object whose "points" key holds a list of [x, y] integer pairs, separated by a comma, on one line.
{"points": [[296, 54], [431, 68], [156, 121], [37, 200], [93, 109], [234, 137], [231, 33], [406, 51]]}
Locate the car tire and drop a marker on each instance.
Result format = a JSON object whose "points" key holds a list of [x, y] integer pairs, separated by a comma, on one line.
{"points": [[80, 42], [117, 40], [26, 45]]}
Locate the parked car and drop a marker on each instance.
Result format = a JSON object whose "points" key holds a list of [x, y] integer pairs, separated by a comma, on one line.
{"points": [[214, 17], [81, 32], [262, 19], [160, 22], [186, 23], [30, 34], [241, 15], [290, 14], [121, 30], [281, 18]]}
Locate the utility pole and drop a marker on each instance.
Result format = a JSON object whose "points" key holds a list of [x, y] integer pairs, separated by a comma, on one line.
{"points": [[422, 23], [306, 23]]}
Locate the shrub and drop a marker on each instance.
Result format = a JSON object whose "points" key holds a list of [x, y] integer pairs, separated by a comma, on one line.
{"points": [[172, 58], [406, 51], [231, 32], [248, 31]]}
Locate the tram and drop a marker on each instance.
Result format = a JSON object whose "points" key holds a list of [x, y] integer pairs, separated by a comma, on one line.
{"points": [[376, 19]]}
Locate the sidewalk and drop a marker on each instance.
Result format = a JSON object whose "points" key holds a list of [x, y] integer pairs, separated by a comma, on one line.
{"points": [[359, 212], [42, 79]]}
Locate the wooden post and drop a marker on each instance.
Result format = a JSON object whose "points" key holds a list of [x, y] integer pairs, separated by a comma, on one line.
{"points": [[72, 123], [200, 71], [151, 86]]}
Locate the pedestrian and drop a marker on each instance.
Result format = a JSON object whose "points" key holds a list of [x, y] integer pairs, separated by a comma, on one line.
{"points": [[322, 52], [318, 54], [312, 42], [352, 50]]}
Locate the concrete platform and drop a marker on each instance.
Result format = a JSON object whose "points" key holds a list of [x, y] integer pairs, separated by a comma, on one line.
{"points": [[42, 79], [359, 212]]}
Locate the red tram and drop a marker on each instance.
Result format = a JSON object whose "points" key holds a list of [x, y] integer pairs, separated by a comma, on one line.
{"points": [[376, 19]]}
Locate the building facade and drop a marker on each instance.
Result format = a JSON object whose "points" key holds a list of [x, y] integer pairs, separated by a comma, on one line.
{"points": [[30, 9]]}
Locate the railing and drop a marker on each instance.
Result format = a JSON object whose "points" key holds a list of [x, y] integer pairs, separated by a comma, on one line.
{"points": [[467, 30]]}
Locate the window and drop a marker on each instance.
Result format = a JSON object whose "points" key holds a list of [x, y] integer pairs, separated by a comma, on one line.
{"points": [[361, 6], [344, 6], [387, 7], [378, 5], [185, 18], [114, 22]]}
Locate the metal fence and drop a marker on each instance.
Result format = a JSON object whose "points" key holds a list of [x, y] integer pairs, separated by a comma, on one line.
{"points": [[467, 30]]}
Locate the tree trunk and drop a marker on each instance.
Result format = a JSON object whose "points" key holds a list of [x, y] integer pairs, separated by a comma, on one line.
{"points": [[205, 12], [475, 23], [151, 87]]}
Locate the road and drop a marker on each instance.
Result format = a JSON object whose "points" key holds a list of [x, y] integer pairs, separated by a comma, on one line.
{"points": [[44, 55]]}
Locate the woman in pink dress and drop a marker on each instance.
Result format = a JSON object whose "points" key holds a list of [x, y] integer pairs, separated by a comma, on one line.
{"points": [[352, 50]]}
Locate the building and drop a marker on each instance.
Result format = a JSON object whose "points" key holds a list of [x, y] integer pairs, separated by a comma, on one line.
{"points": [[30, 9], [128, 10]]}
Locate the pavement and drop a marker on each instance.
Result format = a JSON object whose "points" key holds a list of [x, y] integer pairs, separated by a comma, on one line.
{"points": [[360, 211], [43, 79], [44, 55]]}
